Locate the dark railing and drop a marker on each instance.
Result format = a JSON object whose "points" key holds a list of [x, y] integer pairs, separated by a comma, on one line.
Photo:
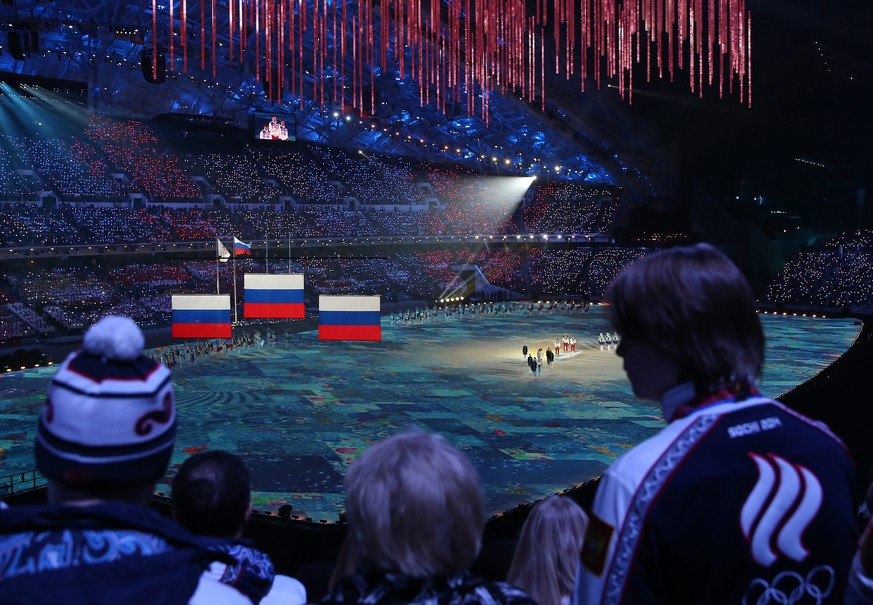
{"points": [[23, 481]]}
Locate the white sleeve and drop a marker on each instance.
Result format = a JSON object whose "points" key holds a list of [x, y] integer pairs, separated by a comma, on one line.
{"points": [[285, 591], [611, 503], [212, 592]]}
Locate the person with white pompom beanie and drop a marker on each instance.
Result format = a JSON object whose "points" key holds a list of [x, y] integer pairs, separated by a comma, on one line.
{"points": [[105, 436]]}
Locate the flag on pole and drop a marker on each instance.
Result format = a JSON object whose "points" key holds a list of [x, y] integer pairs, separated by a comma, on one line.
{"points": [[349, 318], [223, 253], [201, 316], [241, 248], [273, 296]]}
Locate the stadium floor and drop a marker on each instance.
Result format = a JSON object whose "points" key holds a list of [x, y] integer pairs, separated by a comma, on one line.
{"points": [[299, 410]]}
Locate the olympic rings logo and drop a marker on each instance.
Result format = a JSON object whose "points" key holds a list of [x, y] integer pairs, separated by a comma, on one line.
{"points": [[788, 587]]}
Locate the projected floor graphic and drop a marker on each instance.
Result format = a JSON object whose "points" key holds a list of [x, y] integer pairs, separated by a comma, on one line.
{"points": [[299, 410]]}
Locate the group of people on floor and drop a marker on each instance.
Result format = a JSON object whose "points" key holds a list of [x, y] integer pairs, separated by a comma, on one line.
{"points": [[738, 499], [535, 360], [607, 339]]}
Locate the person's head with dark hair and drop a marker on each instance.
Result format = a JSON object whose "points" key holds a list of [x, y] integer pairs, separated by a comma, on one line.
{"points": [[687, 315], [545, 560], [212, 497], [734, 476], [212, 494]]}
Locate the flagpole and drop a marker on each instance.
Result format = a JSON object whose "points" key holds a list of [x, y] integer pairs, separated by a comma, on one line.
{"points": [[217, 260], [267, 254], [289, 253], [235, 318]]}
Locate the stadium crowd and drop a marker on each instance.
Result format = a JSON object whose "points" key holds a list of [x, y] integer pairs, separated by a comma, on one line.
{"points": [[836, 273], [117, 182], [67, 295]]}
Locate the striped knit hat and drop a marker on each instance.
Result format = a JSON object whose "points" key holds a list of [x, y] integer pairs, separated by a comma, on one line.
{"points": [[110, 417]]}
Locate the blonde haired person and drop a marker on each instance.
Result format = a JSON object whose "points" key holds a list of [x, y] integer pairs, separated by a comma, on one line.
{"points": [[548, 550], [415, 514]]}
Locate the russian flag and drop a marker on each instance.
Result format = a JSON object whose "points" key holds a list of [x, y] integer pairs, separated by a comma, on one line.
{"points": [[241, 248], [349, 318], [201, 316], [273, 296]]}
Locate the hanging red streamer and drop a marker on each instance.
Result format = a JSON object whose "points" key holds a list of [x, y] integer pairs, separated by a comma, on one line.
{"points": [[463, 50]]}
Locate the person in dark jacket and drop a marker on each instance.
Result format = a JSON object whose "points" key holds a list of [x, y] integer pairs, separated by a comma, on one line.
{"points": [[104, 438], [738, 499], [212, 497]]}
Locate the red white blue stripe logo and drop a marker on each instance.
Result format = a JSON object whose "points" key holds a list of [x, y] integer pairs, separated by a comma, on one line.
{"points": [[201, 316], [349, 318], [241, 248], [273, 296]]}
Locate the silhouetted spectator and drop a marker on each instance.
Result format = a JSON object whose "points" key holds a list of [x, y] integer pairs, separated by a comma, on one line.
{"points": [[212, 497], [738, 499], [104, 437], [416, 514]]}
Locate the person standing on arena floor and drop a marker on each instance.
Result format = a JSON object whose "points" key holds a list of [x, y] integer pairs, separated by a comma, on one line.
{"points": [[738, 499], [524, 350], [105, 436], [212, 497], [415, 515]]}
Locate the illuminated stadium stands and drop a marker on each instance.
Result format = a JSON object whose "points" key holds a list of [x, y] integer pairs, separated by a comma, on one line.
{"points": [[134, 148], [837, 273], [322, 194]]}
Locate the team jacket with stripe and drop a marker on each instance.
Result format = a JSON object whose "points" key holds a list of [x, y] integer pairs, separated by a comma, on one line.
{"points": [[743, 502]]}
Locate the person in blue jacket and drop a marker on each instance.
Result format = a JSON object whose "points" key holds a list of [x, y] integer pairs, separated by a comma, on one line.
{"points": [[105, 436]]}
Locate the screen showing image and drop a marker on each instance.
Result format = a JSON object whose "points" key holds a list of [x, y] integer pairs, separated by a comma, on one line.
{"points": [[275, 127]]}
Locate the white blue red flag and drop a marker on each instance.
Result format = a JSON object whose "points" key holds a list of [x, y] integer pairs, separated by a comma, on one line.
{"points": [[349, 318], [241, 248], [201, 316], [273, 296]]}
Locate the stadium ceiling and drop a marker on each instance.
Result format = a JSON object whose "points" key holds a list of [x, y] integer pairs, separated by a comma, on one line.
{"points": [[807, 94], [109, 45]]}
